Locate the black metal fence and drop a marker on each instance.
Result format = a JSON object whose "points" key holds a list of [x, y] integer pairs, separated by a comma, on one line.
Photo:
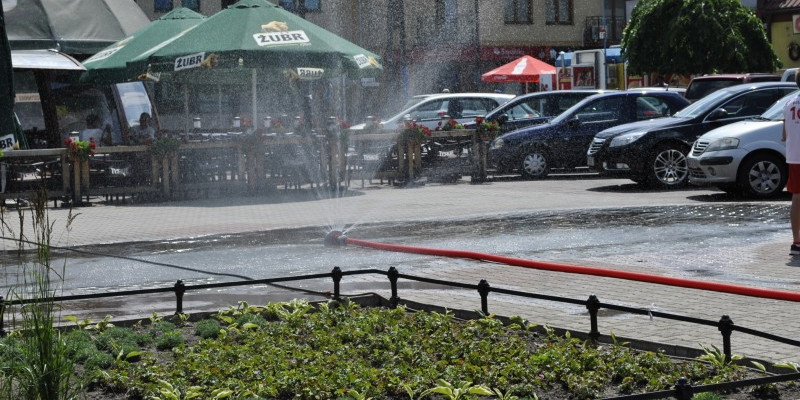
{"points": [[683, 390]]}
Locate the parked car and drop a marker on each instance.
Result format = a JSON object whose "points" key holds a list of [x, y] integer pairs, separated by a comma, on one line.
{"points": [[681, 90], [429, 109], [700, 86], [562, 142], [789, 75], [534, 108], [654, 152], [746, 157]]}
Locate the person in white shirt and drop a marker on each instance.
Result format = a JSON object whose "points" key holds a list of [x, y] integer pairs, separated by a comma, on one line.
{"points": [[143, 133], [791, 135]]}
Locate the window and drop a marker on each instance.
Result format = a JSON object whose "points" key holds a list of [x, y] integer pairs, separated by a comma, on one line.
{"points": [[191, 4], [294, 5], [559, 12], [162, 5], [228, 3], [518, 11]]}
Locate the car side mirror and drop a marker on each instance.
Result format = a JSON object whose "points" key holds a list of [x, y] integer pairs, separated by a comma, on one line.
{"points": [[574, 122], [718, 114], [502, 119]]}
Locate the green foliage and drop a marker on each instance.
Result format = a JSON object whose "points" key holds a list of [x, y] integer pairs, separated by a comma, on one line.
{"points": [[208, 329], [458, 391], [39, 364], [789, 365], [696, 37], [121, 340], [340, 351], [170, 340], [707, 396], [717, 357]]}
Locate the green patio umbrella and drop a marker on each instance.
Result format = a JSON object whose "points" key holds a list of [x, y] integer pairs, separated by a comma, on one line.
{"points": [[110, 64], [261, 41], [256, 34]]}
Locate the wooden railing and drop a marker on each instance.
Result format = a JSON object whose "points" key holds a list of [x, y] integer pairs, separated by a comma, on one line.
{"points": [[241, 164]]}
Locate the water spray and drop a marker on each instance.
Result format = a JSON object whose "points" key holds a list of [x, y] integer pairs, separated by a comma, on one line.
{"points": [[336, 238]]}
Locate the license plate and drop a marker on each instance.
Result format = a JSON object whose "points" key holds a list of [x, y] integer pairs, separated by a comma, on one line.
{"points": [[590, 161]]}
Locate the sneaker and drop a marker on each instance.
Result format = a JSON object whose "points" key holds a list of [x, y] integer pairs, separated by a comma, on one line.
{"points": [[794, 250]]}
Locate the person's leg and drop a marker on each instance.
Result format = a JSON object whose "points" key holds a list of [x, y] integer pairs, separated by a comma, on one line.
{"points": [[794, 217], [793, 187]]}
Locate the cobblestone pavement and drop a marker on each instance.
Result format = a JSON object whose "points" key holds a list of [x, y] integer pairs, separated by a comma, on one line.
{"points": [[762, 256]]}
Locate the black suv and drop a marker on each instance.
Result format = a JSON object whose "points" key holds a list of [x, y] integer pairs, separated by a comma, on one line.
{"points": [[562, 142], [654, 152]]}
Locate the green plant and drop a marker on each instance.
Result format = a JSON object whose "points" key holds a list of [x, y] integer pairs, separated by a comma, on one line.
{"points": [[80, 150], [717, 357], [170, 340], [457, 391], [207, 329], [164, 146], [100, 326], [789, 365], [42, 366]]}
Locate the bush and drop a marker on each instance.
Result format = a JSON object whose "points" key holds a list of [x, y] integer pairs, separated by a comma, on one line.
{"points": [[170, 340], [207, 329]]}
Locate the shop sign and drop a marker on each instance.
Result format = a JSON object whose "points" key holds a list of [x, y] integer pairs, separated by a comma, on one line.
{"points": [[510, 53]]}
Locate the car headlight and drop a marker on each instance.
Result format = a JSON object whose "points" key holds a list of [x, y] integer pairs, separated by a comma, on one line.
{"points": [[726, 143], [497, 144], [627, 138]]}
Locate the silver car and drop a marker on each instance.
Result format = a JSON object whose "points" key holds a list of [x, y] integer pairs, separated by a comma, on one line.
{"points": [[429, 109], [745, 158]]}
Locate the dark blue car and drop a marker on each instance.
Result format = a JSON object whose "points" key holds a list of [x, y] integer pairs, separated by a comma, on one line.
{"points": [[534, 108], [562, 142]]}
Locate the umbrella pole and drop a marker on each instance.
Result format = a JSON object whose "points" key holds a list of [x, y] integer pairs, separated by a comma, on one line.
{"points": [[254, 80], [186, 106], [219, 104]]}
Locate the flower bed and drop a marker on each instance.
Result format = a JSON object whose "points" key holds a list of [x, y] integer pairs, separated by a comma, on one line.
{"points": [[293, 350]]}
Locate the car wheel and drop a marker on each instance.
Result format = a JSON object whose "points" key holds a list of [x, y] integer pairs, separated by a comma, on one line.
{"points": [[762, 176], [534, 164], [669, 168]]}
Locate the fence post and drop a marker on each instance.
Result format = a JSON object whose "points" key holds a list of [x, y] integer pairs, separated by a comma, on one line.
{"points": [[393, 274], [2, 315], [725, 326], [483, 289], [683, 390], [593, 305], [336, 274], [180, 289]]}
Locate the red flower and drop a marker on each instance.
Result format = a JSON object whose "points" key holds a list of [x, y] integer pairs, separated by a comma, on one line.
{"points": [[478, 120]]}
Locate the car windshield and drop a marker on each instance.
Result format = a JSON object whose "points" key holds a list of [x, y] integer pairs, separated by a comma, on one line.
{"points": [[775, 113], [704, 104]]}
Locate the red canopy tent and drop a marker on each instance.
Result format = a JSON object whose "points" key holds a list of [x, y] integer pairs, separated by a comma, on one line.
{"points": [[524, 69]]}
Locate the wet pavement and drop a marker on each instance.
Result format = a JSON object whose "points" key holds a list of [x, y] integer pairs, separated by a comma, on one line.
{"points": [[695, 233]]}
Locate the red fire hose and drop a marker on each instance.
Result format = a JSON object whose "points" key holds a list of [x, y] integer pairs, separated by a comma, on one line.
{"points": [[573, 269]]}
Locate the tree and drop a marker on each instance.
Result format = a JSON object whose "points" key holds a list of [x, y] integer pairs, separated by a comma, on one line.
{"points": [[696, 37]]}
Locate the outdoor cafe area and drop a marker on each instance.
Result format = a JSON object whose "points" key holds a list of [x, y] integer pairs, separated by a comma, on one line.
{"points": [[201, 164]]}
